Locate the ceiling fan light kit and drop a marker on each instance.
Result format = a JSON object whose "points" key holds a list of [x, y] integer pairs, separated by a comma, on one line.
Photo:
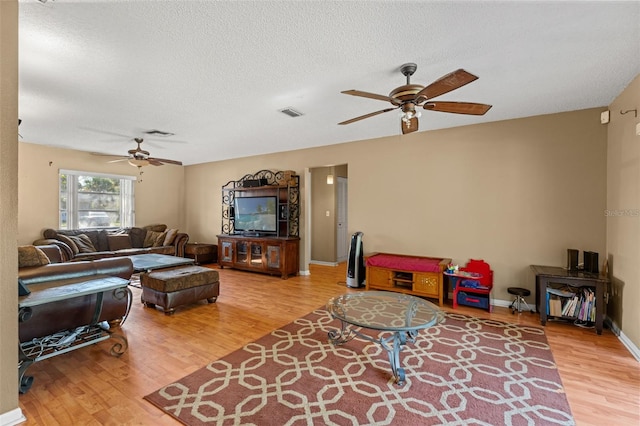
{"points": [[135, 162], [409, 96]]}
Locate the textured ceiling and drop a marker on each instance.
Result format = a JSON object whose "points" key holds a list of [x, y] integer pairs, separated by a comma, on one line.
{"points": [[94, 74]]}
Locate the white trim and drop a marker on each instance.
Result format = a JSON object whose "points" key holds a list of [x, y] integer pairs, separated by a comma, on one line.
{"points": [[631, 347], [12, 417], [105, 175], [321, 262], [304, 273], [635, 351]]}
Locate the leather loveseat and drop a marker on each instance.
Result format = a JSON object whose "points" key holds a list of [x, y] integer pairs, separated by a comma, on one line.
{"points": [[44, 266], [92, 244]]}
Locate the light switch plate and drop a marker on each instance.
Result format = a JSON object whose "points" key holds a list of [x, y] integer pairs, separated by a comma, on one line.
{"points": [[638, 129], [604, 117]]}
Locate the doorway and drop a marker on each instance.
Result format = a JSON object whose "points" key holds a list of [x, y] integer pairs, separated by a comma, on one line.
{"points": [[328, 214]]}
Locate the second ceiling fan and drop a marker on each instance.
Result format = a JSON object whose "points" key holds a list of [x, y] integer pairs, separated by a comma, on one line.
{"points": [[411, 96]]}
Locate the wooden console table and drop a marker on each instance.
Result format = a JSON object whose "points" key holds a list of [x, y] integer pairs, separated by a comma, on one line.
{"points": [[548, 276], [416, 275], [41, 348]]}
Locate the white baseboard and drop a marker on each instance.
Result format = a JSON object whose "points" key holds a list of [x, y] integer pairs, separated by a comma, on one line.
{"points": [[321, 262], [635, 351], [304, 272], [12, 417]]}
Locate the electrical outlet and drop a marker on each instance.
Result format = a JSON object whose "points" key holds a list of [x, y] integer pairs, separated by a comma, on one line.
{"points": [[328, 213]]}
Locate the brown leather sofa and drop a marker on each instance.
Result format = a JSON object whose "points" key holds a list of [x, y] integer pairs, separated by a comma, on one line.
{"points": [[68, 314], [92, 244]]}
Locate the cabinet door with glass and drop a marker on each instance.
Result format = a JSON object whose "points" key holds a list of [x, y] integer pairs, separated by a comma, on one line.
{"points": [[256, 254], [242, 252]]}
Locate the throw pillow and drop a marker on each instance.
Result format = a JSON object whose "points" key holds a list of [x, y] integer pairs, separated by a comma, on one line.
{"points": [[137, 237], [31, 256], [93, 237], [103, 241], [160, 240], [171, 235], [84, 243], [119, 242], [156, 227], [151, 238], [68, 241]]}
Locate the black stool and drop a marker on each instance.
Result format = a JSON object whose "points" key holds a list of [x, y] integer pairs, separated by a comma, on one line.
{"points": [[520, 294]]}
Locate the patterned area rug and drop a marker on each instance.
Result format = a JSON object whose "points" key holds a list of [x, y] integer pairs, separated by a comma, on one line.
{"points": [[464, 371], [134, 281]]}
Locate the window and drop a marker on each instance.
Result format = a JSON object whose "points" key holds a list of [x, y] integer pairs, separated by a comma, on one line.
{"points": [[94, 200]]}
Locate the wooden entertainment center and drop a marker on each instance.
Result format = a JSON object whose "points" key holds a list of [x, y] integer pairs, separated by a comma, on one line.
{"points": [[274, 250]]}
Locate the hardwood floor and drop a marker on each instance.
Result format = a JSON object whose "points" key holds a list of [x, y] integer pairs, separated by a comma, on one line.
{"points": [[91, 387]]}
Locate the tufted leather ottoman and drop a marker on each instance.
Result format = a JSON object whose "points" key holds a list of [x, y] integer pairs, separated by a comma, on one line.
{"points": [[169, 288]]}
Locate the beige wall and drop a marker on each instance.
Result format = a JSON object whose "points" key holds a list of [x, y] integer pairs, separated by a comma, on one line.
{"points": [[623, 201], [159, 191], [514, 193], [9, 410]]}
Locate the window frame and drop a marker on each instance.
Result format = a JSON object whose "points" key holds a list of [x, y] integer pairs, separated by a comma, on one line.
{"points": [[127, 199]]}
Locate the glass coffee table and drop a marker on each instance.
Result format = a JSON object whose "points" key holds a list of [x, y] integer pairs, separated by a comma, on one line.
{"points": [[150, 261], [400, 314]]}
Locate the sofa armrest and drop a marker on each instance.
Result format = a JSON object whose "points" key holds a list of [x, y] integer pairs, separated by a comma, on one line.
{"points": [[179, 243], [67, 253], [116, 266], [53, 252]]}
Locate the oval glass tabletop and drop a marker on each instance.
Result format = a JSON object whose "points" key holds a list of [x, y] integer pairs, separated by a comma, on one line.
{"points": [[383, 310]]}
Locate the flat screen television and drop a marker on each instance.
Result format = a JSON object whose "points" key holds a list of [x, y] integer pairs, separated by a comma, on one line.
{"points": [[256, 214]]}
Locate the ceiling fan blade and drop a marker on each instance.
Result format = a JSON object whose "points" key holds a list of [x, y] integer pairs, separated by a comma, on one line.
{"points": [[155, 162], [372, 96], [163, 161], [371, 114], [119, 160], [105, 132], [447, 83], [102, 154], [409, 127], [458, 107]]}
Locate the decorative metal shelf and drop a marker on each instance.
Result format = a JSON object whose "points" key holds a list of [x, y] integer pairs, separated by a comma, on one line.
{"points": [[267, 180]]}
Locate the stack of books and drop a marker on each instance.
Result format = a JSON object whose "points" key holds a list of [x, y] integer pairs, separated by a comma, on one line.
{"points": [[579, 304]]}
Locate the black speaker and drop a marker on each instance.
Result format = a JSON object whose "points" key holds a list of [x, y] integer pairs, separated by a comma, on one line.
{"points": [[572, 259], [250, 183], [591, 262]]}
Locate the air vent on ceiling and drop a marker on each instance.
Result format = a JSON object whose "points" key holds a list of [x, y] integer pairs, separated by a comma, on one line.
{"points": [[291, 112], [159, 133]]}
